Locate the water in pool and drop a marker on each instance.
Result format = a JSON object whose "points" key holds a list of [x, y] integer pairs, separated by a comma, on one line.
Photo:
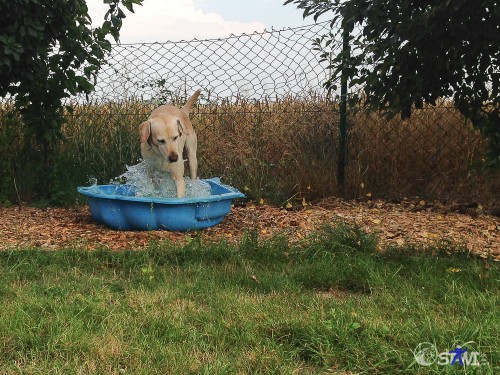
{"points": [[150, 182]]}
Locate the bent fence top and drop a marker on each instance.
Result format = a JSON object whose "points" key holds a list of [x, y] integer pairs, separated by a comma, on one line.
{"points": [[252, 66]]}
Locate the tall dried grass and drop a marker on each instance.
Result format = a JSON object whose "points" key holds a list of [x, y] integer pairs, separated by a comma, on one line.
{"points": [[277, 149], [289, 148]]}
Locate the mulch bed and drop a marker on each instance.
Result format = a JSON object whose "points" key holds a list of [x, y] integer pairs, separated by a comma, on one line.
{"points": [[394, 224]]}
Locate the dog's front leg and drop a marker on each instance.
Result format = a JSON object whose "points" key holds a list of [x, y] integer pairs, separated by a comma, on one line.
{"points": [[193, 166], [191, 146], [180, 185], [178, 177]]}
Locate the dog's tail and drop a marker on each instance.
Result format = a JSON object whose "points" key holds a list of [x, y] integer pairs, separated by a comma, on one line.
{"points": [[190, 102]]}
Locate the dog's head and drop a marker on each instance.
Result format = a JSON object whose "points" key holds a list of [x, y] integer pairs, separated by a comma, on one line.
{"points": [[164, 134]]}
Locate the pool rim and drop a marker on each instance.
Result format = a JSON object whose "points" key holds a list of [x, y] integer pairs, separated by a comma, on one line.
{"points": [[232, 194]]}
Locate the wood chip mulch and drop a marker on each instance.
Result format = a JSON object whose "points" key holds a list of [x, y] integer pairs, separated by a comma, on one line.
{"points": [[394, 224]]}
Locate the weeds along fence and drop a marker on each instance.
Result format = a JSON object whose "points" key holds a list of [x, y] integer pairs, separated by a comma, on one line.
{"points": [[265, 124]]}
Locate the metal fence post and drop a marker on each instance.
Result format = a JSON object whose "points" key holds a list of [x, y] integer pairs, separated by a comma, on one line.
{"points": [[343, 110]]}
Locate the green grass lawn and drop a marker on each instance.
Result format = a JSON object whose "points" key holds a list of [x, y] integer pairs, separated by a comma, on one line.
{"points": [[329, 304]]}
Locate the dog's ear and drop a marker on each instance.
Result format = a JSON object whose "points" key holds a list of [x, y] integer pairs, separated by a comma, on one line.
{"points": [[182, 128], [145, 131]]}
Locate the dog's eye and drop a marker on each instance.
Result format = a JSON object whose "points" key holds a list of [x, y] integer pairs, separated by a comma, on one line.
{"points": [[175, 138], [161, 140]]}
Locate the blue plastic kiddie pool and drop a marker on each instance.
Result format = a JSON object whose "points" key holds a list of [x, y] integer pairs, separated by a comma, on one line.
{"points": [[118, 207]]}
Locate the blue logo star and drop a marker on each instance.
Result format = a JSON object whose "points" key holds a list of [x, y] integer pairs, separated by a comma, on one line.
{"points": [[458, 355]]}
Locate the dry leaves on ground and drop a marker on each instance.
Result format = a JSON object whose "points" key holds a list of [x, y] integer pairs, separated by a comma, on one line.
{"points": [[394, 224]]}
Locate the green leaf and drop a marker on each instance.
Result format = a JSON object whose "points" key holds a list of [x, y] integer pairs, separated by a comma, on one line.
{"points": [[120, 14], [129, 6], [354, 326], [116, 22], [84, 84]]}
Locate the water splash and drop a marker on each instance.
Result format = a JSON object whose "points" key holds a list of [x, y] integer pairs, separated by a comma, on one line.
{"points": [[150, 182]]}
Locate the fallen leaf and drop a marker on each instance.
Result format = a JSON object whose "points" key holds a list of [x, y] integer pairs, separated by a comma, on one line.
{"points": [[486, 233]]}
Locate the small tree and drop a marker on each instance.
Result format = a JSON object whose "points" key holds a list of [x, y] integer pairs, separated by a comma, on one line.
{"points": [[48, 52], [409, 52]]}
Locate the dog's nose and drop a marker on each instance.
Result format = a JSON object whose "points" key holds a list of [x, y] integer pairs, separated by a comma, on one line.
{"points": [[173, 158]]}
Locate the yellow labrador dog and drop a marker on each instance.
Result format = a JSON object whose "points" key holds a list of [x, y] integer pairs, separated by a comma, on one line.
{"points": [[163, 138]]}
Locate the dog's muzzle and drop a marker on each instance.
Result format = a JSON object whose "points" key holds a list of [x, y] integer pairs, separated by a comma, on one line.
{"points": [[173, 158]]}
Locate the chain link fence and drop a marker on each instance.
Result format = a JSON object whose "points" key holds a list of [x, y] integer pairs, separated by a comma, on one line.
{"points": [[271, 64], [266, 124]]}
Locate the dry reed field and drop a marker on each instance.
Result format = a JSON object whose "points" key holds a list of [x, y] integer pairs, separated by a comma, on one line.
{"points": [[280, 149], [288, 148]]}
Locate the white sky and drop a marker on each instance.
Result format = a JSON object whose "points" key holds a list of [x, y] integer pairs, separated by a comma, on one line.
{"points": [[174, 20]]}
